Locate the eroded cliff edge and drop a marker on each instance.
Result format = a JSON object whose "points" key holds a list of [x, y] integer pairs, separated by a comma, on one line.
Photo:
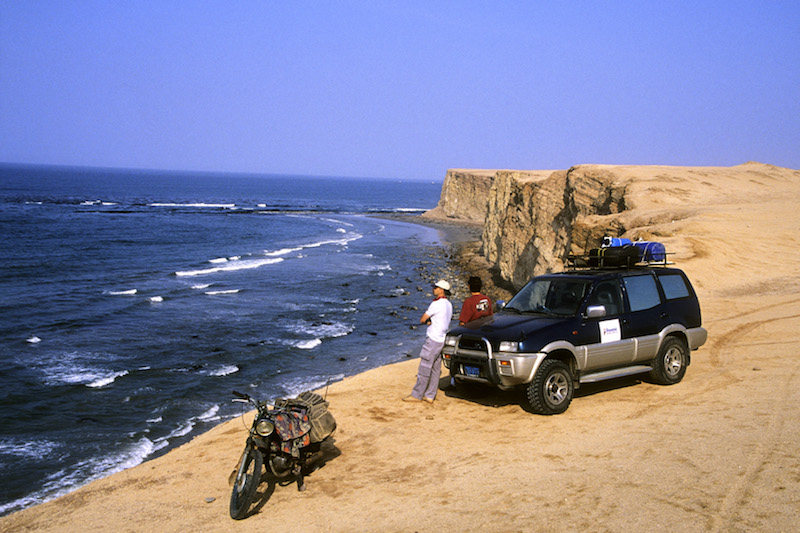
{"points": [[532, 220]]}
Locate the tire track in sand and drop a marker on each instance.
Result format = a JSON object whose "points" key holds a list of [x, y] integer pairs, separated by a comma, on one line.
{"points": [[740, 492]]}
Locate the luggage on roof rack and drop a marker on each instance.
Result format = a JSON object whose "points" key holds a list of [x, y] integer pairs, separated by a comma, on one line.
{"points": [[650, 251], [609, 242], [614, 256], [627, 255]]}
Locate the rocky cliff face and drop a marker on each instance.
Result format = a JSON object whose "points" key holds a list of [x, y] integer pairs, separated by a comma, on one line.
{"points": [[463, 198], [533, 219]]}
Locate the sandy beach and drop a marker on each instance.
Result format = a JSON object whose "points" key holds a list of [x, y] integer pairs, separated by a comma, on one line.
{"points": [[717, 452]]}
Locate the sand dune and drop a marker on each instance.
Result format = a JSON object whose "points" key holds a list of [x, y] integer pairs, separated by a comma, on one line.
{"points": [[717, 452]]}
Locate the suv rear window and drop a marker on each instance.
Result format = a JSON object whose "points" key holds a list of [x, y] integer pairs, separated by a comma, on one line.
{"points": [[642, 292], [674, 286]]}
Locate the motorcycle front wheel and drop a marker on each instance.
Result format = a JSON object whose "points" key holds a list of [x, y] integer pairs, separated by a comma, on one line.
{"points": [[246, 483]]}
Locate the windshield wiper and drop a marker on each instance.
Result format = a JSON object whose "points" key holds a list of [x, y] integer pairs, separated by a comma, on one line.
{"points": [[542, 309]]}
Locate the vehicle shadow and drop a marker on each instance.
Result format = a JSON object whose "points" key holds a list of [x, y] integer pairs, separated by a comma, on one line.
{"points": [[481, 394], [269, 483], [492, 397]]}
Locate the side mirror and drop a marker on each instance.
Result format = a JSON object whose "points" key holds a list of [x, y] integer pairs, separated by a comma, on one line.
{"points": [[500, 304], [596, 311]]}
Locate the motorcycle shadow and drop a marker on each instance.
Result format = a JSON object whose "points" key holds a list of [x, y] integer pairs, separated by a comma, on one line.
{"points": [[269, 482]]}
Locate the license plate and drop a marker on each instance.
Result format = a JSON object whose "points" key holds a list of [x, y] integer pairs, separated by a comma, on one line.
{"points": [[473, 371]]}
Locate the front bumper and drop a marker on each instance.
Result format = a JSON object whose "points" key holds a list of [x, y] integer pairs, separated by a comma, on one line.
{"points": [[501, 369]]}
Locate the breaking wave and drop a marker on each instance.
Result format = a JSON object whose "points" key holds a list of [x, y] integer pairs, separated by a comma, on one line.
{"points": [[128, 292], [230, 266]]}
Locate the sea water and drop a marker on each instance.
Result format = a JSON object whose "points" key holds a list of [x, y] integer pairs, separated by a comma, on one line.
{"points": [[133, 302]]}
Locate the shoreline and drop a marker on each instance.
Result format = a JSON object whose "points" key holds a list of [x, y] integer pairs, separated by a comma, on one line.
{"points": [[461, 240], [453, 233]]}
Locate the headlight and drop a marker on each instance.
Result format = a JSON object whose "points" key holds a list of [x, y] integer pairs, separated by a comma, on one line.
{"points": [[450, 340], [509, 346], [264, 428]]}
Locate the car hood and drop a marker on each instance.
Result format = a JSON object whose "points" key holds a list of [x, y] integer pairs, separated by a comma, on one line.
{"points": [[508, 325]]}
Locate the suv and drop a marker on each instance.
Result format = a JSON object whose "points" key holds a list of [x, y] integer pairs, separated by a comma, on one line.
{"points": [[581, 326]]}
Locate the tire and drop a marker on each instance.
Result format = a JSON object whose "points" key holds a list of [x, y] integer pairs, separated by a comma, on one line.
{"points": [[669, 366], [550, 392], [246, 483]]}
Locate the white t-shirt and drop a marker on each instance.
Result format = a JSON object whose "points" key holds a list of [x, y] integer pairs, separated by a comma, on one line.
{"points": [[440, 311]]}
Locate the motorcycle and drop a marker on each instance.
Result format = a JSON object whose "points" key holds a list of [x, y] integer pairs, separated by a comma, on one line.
{"points": [[284, 437]]}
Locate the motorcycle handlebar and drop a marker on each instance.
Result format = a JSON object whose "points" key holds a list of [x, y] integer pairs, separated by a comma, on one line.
{"points": [[247, 398], [240, 395]]}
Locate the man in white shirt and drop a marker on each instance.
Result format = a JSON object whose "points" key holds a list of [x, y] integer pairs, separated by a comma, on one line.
{"points": [[437, 316]]}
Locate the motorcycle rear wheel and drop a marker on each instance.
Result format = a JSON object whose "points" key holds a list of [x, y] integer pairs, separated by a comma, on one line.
{"points": [[246, 483]]}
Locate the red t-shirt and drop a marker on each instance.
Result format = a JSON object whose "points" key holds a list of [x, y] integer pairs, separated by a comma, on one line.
{"points": [[475, 307]]}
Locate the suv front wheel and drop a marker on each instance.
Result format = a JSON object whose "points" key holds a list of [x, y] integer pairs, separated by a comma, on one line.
{"points": [[550, 392], [670, 364]]}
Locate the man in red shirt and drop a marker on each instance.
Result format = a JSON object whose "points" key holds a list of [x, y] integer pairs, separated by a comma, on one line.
{"points": [[477, 305]]}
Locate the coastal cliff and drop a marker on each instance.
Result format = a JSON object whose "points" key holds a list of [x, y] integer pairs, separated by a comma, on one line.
{"points": [[533, 219], [464, 195]]}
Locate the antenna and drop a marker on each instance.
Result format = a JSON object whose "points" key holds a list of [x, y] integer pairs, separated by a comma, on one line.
{"points": [[327, 383]]}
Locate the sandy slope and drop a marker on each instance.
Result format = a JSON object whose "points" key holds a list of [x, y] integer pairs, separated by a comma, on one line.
{"points": [[717, 452]]}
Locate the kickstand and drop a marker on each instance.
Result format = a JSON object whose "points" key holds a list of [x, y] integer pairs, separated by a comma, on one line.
{"points": [[301, 482]]}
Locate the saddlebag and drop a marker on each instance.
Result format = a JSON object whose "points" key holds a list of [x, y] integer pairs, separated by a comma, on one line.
{"points": [[316, 407]]}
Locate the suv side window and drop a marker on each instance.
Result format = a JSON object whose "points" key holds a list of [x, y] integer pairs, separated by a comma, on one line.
{"points": [[674, 286], [607, 293], [642, 292]]}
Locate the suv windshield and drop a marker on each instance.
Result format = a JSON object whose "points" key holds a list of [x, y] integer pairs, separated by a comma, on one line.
{"points": [[552, 296]]}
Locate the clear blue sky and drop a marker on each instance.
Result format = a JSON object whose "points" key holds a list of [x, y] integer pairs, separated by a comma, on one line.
{"points": [[398, 89]]}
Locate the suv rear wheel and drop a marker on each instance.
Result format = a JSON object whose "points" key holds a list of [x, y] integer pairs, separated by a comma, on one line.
{"points": [[670, 364], [551, 390]]}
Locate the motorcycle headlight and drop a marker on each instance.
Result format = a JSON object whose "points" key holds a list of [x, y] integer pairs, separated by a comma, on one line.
{"points": [[265, 428]]}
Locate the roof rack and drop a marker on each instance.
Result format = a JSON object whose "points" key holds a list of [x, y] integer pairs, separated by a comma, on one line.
{"points": [[619, 252], [585, 261]]}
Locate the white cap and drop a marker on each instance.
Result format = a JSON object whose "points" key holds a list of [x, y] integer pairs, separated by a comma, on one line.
{"points": [[442, 284]]}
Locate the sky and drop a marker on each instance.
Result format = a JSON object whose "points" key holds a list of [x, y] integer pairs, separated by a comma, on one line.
{"points": [[398, 89]]}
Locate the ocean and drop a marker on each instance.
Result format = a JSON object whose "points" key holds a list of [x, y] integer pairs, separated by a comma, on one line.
{"points": [[133, 302]]}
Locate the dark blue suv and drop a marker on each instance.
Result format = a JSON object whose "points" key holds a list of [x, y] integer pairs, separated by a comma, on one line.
{"points": [[581, 326]]}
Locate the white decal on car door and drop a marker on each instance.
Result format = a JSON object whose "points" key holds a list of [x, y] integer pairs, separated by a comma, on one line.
{"points": [[610, 331]]}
